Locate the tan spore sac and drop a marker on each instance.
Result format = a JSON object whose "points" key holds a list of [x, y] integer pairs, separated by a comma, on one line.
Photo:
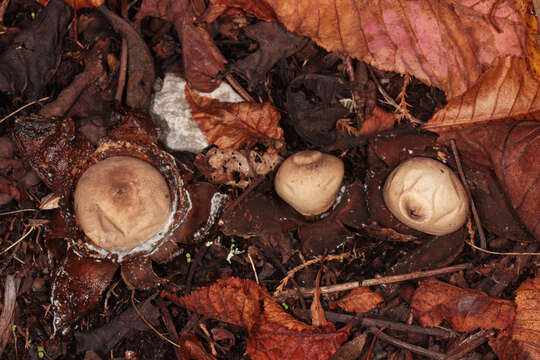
{"points": [[309, 181], [426, 195], [122, 202]]}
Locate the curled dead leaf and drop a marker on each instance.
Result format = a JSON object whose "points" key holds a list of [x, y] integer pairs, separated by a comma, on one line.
{"points": [[508, 90], [523, 340], [235, 125], [465, 309], [273, 333], [360, 300]]}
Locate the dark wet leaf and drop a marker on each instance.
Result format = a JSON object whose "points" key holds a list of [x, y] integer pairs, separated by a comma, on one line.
{"points": [[77, 288], [202, 60], [127, 323], [28, 64], [275, 43], [140, 71], [511, 149]]}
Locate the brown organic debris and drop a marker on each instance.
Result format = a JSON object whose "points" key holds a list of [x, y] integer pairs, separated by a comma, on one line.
{"points": [[465, 309], [273, 334]]}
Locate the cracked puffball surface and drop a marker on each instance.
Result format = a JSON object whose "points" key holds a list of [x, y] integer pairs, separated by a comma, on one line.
{"points": [[309, 181], [426, 195], [122, 202]]}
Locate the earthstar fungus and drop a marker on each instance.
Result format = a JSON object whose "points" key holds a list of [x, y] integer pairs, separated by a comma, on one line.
{"points": [[124, 203]]}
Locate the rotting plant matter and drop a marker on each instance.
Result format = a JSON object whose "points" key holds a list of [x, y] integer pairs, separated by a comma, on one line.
{"points": [[124, 203]]}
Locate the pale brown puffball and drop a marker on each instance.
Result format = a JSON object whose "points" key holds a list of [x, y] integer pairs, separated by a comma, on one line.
{"points": [[122, 202], [309, 181], [426, 195]]}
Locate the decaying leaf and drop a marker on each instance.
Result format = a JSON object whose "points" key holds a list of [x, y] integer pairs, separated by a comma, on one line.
{"points": [[129, 322], [465, 309], [258, 8], [275, 43], [360, 300], [235, 125], [28, 64], [202, 59], [446, 44], [511, 149], [236, 167], [523, 340], [273, 334], [507, 90]]}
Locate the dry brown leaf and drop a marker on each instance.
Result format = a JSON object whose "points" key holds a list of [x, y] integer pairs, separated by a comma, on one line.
{"points": [[507, 90], [273, 334], [360, 300], [523, 341], [447, 44], [465, 309], [235, 125], [511, 149], [318, 318], [258, 8], [78, 4]]}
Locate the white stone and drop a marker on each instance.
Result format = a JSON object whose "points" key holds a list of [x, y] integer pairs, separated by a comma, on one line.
{"points": [[171, 108]]}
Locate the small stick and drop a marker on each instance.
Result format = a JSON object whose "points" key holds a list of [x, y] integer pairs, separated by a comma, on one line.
{"points": [[502, 253], [236, 85], [24, 107], [438, 332], [148, 323], [379, 281], [291, 273], [404, 345], [481, 234], [169, 324], [469, 344], [253, 268]]}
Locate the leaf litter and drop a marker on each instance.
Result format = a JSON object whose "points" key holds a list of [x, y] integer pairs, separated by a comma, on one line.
{"points": [[349, 97]]}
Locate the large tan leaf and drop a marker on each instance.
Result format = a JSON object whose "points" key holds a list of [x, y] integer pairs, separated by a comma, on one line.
{"points": [[465, 309], [512, 149], [234, 125], [444, 43], [523, 341], [508, 90]]}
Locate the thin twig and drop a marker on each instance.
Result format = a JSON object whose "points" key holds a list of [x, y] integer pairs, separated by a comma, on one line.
{"points": [[19, 240], [253, 267], [502, 253], [148, 323], [481, 234], [404, 345], [469, 344], [236, 85], [291, 273], [24, 107], [379, 281], [17, 211], [438, 332]]}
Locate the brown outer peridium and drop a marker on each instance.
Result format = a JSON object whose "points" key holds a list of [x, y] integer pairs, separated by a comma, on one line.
{"points": [[150, 153]]}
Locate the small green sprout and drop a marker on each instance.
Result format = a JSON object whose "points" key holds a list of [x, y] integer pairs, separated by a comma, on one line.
{"points": [[188, 258], [41, 352], [285, 306]]}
